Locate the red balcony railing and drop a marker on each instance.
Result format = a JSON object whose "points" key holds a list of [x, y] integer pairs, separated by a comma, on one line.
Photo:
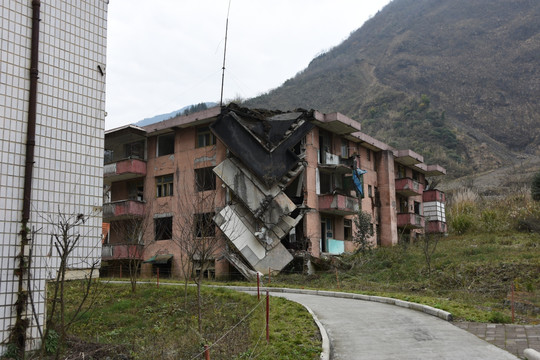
{"points": [[409, 187], [124, 170], [123, 209], [121, 252], [436, 227], [338, 204], [410, 221]]}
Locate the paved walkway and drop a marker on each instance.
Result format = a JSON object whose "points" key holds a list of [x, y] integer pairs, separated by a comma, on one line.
{"points": [[376, 331], [513, 338]]}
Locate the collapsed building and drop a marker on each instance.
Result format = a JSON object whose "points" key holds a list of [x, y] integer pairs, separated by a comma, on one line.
{"points": [[283, 185]]}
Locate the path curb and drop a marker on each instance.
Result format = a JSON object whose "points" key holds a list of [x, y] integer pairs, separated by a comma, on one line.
{"points": [[445, 315]]}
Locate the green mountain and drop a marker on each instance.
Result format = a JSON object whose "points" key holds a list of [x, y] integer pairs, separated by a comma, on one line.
{"points": [[456, 80]]}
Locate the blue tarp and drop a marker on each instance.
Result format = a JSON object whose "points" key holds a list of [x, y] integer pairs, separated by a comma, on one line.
{"points": [[358, 179]]}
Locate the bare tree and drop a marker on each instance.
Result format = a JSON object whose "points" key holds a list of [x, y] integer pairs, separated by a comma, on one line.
{"points": [[132, 231], [194, 229], [65, 238], [429, 245]]}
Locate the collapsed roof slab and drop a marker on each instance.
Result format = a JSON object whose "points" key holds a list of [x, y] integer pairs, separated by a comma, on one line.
{"points": [[263, 144], [234, 221]]}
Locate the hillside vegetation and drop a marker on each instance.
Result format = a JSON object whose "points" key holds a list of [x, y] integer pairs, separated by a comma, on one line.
{"points": [[476, 61], [493, 245]]}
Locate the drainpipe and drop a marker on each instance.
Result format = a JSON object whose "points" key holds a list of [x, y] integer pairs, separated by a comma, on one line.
{"points": [[18, 333]]}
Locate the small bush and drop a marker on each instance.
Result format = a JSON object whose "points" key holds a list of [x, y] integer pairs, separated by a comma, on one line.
{"points": [[499, 318], [535, 187], [461, 223]]}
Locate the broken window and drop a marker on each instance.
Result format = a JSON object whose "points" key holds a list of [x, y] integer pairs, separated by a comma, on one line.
{"points": [[165, 144], [403, 205], [400, 172], [415, 176], [163, 228], [347, 229], [164, 185], [205, 179], [204, 225], [325, 146], [136, 190], [205, 137], [108, 156]]}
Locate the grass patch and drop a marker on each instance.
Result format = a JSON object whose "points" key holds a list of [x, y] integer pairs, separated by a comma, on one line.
{"points": [[161, 323]]}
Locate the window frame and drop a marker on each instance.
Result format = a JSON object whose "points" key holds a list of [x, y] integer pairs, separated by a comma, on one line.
{"points": [[205, 185], [206, 135], [158, 147], [203, 221], [161, 232], [164, 188]]}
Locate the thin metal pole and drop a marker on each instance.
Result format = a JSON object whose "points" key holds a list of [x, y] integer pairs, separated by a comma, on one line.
{"points": [[224, 55], [267, 317], [258, 288]]}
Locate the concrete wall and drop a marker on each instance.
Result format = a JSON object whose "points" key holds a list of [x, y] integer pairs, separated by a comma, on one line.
{"points": [[68, 168]]}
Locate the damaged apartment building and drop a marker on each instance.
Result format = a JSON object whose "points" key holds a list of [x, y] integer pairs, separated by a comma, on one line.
{"points": [[270, 186]]}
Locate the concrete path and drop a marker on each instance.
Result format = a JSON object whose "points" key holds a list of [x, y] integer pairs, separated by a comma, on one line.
{"points": [[371, 330]]}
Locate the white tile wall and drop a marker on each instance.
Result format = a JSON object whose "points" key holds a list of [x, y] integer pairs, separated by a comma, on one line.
{"points": [[69, 143]]}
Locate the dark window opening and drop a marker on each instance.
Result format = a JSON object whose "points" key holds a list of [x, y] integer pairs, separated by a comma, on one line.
{"points": [[344, 148], [403, 205], [204, 225], [136, 190], [108, 156], [163, 228], [370, 191], [164, 185], [134, 150], [205, 179], [417, 208], [401, 172], [205, 137], [347, 230], [368, 154], [415, 176], [165, 144]]}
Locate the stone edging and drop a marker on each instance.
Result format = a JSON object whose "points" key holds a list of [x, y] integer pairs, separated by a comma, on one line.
{"points": [[445, 315]]}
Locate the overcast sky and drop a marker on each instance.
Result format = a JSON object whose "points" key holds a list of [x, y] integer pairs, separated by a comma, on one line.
{"points": [[165, 54]]}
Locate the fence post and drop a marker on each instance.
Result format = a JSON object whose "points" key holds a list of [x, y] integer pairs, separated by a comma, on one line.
{"points": [[513, 286], [258, 286], [206, 352], [157, 283], [267, 317], [269, 274]]}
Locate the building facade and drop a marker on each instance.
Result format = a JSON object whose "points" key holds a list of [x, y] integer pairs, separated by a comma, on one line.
{"points": [[52, 89], [274, 187]]}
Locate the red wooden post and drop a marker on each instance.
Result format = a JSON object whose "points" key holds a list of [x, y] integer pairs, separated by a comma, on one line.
{"points": [[513, 303], [267, 317], [206, 352], [258, 286], [157, 271], [269, 276]]}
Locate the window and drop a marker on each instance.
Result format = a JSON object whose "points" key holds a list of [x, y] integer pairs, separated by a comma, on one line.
{"points": [[344, 148], [205, 137], [108, 156], [370, 191], [205, 179], [347, 229], [164, 185], [368, 154], [163, 228], [415, 175], [401, 172], [417, 207], [165, 144], [204, 225]]}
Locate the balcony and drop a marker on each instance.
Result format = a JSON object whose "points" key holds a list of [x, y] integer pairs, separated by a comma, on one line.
{"points": [[124, 170], [409, 187], [338, 204], [122, 209], [121, 252], [410, 221], [436, 227]]}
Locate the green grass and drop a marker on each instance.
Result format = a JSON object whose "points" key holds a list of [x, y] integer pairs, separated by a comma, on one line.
{"points": [[156, 323]]}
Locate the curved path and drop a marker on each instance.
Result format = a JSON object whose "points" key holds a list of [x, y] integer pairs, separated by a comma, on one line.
{"points": [[372, 330]]}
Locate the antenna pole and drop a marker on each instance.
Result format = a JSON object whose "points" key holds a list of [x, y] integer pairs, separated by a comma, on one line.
{"points": [[224, 55]]}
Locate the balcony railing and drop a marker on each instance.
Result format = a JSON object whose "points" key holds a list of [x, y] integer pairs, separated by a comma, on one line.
{"points": [[410, 221], [409, 187], [338, 204], [436, 227], [124, 170], [123, 209], [122, 252]]}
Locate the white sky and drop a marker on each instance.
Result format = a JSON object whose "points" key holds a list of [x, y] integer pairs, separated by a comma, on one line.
{"points": [[166, 54]]}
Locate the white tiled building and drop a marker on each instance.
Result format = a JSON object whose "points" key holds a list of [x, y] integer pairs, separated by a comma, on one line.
{"points": [[68, 162]]}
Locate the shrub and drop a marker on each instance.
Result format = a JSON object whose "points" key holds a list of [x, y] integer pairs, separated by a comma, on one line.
{"points": [[461, 223], [535, 187], [499, 318]]}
